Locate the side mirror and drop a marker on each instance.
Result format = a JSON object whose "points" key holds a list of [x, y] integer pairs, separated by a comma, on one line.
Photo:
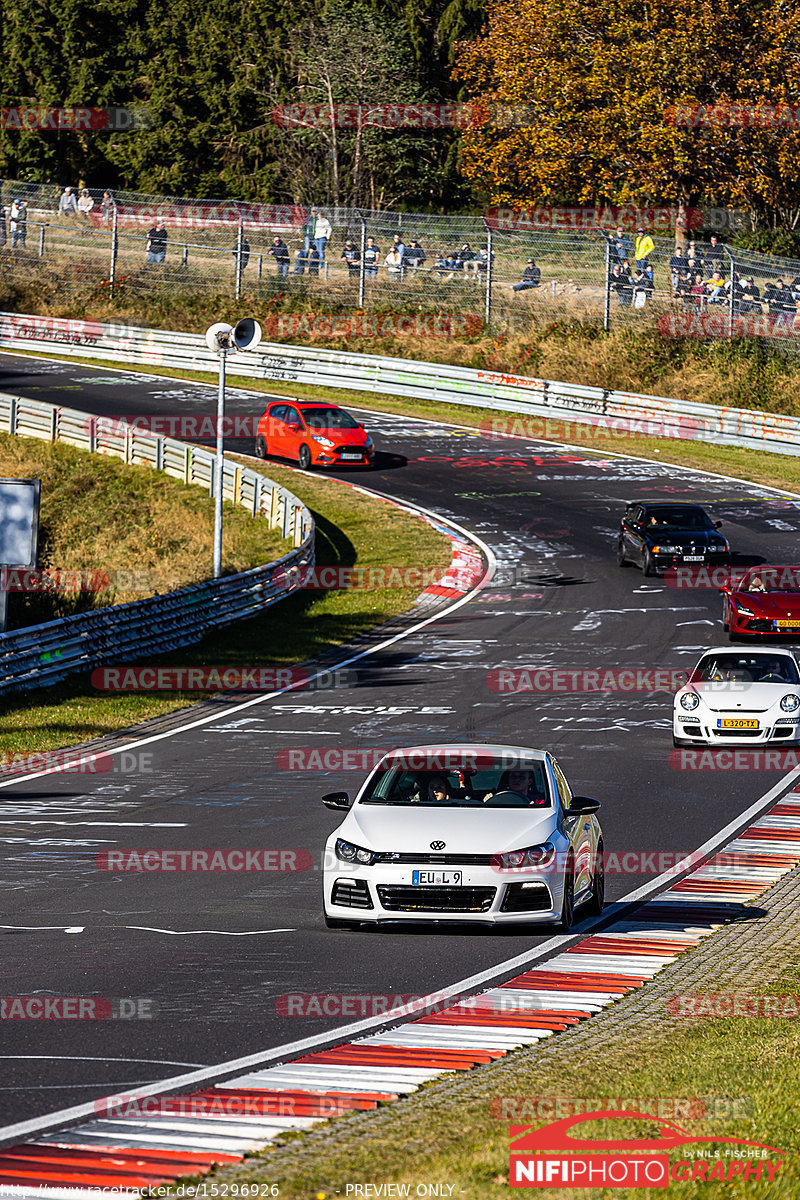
{"points": [[718, 524], [295, 428], [583, 805], [336, 800]]}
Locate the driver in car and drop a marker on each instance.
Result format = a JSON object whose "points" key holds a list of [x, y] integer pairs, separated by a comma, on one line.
{"points": [[756, 584], [522, 782]]}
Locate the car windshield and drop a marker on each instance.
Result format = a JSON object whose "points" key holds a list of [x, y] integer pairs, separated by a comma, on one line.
{"points": [[772, 579], [523, 784], [746, 668], [676, 519], [328, 418]]}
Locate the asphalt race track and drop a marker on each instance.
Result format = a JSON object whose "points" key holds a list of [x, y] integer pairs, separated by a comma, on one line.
{"points": [[212, 953]]}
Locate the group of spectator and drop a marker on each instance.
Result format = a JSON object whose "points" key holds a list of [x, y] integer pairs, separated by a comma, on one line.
{"points": [[73, 203], [631, 273]]}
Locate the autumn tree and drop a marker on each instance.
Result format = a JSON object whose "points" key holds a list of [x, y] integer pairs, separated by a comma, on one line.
{"points": [[595, 83]]}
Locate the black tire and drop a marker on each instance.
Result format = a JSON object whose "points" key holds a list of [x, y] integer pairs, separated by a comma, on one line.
{"points": [[597, 899], [568, 900], [649, 567], [622, 561], [261, 447], [304, 458], [734, 637], [337, 923]]}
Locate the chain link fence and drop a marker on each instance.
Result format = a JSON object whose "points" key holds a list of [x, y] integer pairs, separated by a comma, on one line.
{"points": [[386, 272]]}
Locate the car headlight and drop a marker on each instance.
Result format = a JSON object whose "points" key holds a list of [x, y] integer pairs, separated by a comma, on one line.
{"points": [[790, 703], [532, 856], [663, 548], [719, 547], [744, 612], [350, 853], [690, 701], [323, 441]]}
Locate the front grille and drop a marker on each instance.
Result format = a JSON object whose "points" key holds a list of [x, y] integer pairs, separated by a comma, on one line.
{"points": [[349, 450], [522, 897], [436, 899], [438, 860], [352, 893], [738, 733]]}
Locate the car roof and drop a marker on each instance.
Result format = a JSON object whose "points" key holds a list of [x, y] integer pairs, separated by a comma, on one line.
{"points": [[767, 651], [479, 748], [666, 503]]}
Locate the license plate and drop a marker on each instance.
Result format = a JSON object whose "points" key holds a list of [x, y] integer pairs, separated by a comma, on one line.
{"points": [[788, 624], [437, 878], [351, 457], [692, 558], [734, 723]]}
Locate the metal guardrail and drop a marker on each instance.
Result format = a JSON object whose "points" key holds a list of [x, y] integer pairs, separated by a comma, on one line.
{"points": [[43, 654], [622, 411]]}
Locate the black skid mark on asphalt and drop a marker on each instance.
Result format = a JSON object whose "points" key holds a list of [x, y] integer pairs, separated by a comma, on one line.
{"points": [[553, 581]]}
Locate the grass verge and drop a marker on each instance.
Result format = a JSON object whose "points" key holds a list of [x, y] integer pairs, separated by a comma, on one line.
{"points": [[132, 530], [351, 528]]}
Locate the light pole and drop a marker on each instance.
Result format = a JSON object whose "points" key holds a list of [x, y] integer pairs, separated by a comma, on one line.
{"points": [[221, 339]]}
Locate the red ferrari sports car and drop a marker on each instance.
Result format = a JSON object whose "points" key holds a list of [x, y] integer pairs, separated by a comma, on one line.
{"points": [[765, 601], [313, 434]]}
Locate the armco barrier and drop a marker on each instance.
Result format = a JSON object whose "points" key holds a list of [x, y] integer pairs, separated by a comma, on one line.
{"points": [[419, 380], [43, 654]]}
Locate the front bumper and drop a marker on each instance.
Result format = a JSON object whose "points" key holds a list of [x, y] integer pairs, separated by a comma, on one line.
{"points": [[483, 895], [703, 730], [663, 562], [333, 458]]}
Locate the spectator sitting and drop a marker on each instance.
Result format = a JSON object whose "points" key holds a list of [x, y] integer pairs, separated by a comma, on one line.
{"points": [[531, 277], [480, 262], [85, 203], [245, 252], [750, 299], [465, 255], [300, 261], [352, 256], [643, 284], [684, 289], [794, 287], [399, 245], [414, 256], [394, 261], [157, 243], [314, 260], [698, 293], [622, 283], [440, 264], [715, 286], [67, 205]]}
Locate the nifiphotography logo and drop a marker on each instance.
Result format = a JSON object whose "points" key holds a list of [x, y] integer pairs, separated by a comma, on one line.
{"points": [[548, 1156]]}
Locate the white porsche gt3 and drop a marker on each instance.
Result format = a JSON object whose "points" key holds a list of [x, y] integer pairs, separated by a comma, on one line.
{"points": [[739, 698], [464, 833]]}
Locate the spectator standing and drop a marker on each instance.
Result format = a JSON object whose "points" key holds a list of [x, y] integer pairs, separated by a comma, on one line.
{"points": [[371, 257], [107, 206], [308, 231], [784, 305], [67, 205], [414, 256], [713, 255], [85, 203], [280, 253], [531, 277], [399, 245], [157, 243], [678, 263], [698, 293], [622, 282], [684, 289], [750, 300], [642, 285], [619, 245], [3, 234], [352, 256], [245, 252], [18, 225], [322, 232], [644, 246]]}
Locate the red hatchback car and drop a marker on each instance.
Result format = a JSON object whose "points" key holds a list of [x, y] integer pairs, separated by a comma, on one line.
{"points": [[766, 600], [314, 435]]}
